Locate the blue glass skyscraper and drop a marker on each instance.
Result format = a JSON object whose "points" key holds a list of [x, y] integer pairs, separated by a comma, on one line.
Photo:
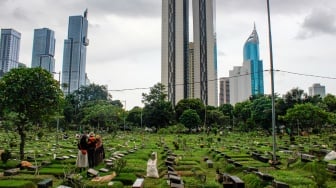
{"points": [[74, 55], [9, 50], [44, 49], [251, 54]]}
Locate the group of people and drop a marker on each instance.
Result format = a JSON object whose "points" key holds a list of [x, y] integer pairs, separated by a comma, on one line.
{"points": [[90, 151]]}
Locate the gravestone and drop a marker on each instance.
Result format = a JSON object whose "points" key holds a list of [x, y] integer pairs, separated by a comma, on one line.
{"points": [[11, 172], [46, 183], [209, 163], [278, 184], [138, 183], [92, 172]]}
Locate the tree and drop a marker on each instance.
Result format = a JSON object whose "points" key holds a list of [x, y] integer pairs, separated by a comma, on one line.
{"points": [[227, 110], [134, 116], [306, 116], [330, 101], [157, 111], [92, 92], [261, 112], [31, 94], [190, 119], [242, 112], [85, 94], [216, 118], [101, 114], [186, 104]]}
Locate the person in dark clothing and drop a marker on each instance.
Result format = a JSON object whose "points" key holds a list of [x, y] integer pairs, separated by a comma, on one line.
{"points": [[91, 149], [100, 152]]}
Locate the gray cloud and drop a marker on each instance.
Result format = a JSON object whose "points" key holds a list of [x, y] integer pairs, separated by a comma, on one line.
{"points": [[20, 14], [143, 8], [259, 6], [318, 22], [221, 53]]}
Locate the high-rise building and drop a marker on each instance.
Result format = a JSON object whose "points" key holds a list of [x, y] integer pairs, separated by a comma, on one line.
{"points": [[224, 90], [240, 83], [189, 73], [9, 50], [174, 51], [206, 84], [247, 80], [44, 49], [317, 89], [74, 55], [251, 54]]}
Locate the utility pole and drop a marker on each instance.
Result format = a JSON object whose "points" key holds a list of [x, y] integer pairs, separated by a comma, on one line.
{"points": [[272, 80]]}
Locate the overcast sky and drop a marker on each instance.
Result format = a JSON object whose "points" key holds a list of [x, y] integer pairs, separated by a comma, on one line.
{"points": [[125, 39]]}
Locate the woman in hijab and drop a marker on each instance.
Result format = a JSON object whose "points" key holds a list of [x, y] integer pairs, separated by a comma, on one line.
{"points": [[82, 157]]}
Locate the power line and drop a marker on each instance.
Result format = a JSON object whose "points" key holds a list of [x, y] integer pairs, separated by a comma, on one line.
{"points": [[235, 76], [308, 75]]}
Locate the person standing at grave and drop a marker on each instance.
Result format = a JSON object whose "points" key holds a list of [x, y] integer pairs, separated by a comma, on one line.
{"points": [[100, 152], [91, 149], [82, 157]]}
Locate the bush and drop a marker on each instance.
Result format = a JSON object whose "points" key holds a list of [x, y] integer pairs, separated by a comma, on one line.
{"points": [[40, 134], [119, 165], [126, 178], [16, 183], [116, 184], [253, 181], [5, 156]]}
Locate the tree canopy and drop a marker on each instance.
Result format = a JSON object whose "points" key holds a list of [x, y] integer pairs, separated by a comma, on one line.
{"points": [[30, 93]]}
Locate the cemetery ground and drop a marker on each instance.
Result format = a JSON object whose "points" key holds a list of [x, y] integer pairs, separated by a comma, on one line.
{"points": [[183, 160]]}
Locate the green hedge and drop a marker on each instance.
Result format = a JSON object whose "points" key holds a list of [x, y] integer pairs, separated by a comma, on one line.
{"points": [[126, 178], [16, 183]]}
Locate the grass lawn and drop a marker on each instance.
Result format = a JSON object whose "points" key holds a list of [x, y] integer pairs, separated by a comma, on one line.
{"points": [[231, 153]]}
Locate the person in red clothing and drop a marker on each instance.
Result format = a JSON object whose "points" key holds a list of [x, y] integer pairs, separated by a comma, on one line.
{"points": [[91, 147]]}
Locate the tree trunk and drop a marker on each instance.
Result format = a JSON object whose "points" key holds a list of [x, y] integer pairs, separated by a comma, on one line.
{"points": [[22, 143]]}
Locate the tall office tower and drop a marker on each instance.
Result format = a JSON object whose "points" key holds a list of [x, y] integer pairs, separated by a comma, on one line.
{"points": [[174, 50], [74, 55], [317, 89], [224, 90], [248, 79], [9, 50], [206, 85], [251, 55], [44, 49], [240, 83], [191, 72]]}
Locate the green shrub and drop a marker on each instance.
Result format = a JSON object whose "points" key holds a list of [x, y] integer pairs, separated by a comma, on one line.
{"points": [[119, 165], [91, 184], [117, 184], [5, 156], [126, 178], [253, 181], [16, 183], [40, 134]]}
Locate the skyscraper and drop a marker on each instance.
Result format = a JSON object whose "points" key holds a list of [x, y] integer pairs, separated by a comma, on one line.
{"points": [[224, 90], [44, 49], [248, 79], [206, 85], [9, 50], [74, 55], [317, 89], [174, 51], [189, 73], [251, 54]]}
